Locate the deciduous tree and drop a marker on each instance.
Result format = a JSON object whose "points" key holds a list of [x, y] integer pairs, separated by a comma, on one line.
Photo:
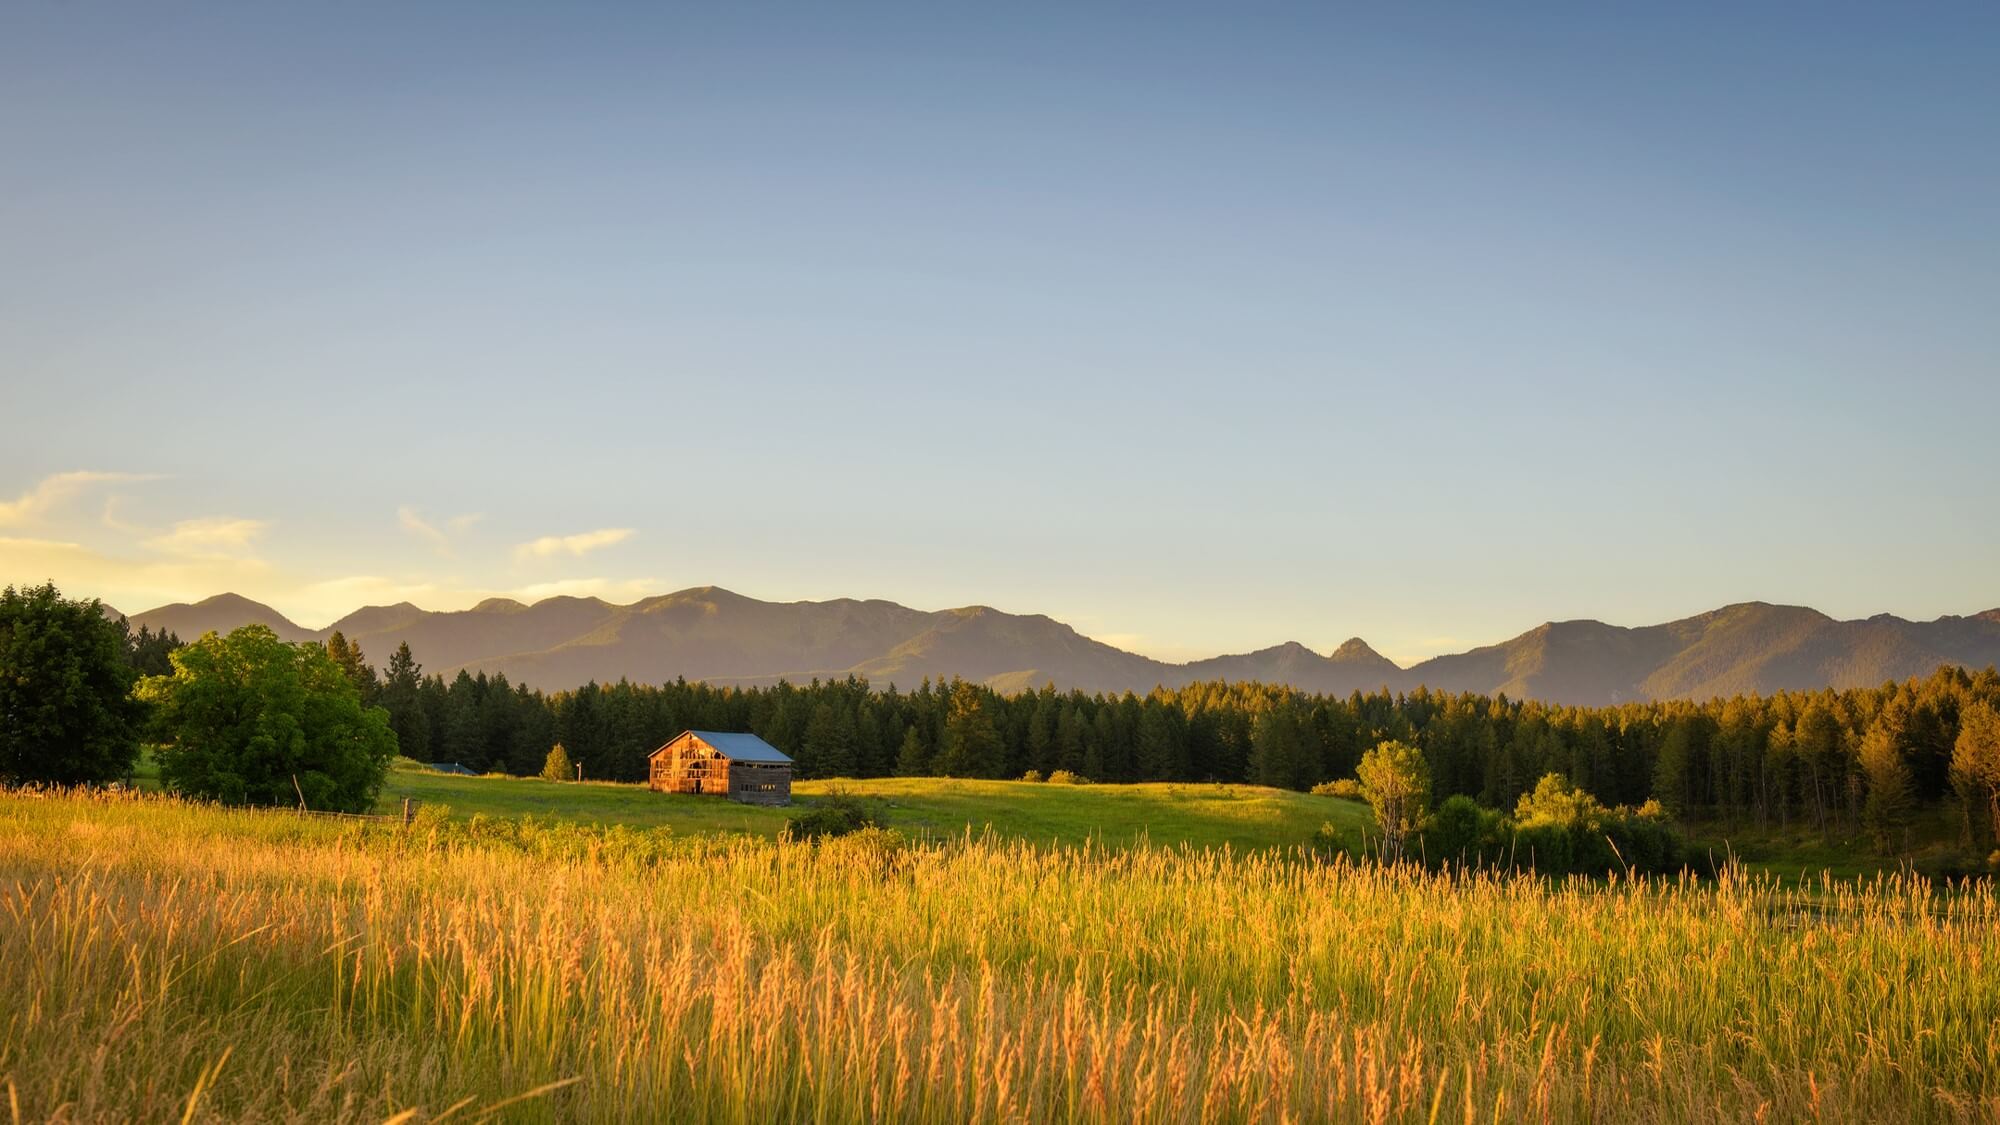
{"points": [[66, 710], [249, 719]]}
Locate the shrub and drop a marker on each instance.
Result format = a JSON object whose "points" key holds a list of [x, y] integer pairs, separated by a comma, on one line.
{"points": [[1563, 829], [557, 766], [250, 719], [1329, 843], [430, 817], [1065, 777], [1346, 788], [838, 815], [1032, 775], [880, 849], [1462, 831]]}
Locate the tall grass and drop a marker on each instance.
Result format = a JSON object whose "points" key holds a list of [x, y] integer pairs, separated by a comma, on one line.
{"points": [[161, 961]]}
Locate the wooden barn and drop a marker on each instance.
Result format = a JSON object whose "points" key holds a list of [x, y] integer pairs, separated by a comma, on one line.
{"points": [[739, 766]]}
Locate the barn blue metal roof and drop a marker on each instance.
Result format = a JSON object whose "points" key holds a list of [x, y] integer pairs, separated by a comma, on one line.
{"points": [[741, 746]]}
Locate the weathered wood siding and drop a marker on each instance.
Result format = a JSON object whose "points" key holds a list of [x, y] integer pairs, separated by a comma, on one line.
{"points": [[690, 765], [760, 783]]}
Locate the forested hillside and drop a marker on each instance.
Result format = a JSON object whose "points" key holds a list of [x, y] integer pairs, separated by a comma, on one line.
{"points": [[720, 637]]}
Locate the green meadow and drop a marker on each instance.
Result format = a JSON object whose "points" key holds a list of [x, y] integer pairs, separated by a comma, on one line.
{"points": [[1165, 814]]}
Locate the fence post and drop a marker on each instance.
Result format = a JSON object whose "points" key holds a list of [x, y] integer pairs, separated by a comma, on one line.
{"points": [[406, 812]]}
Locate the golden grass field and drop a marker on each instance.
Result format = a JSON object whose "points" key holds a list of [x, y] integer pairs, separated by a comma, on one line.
{"points": [[166, 962]]}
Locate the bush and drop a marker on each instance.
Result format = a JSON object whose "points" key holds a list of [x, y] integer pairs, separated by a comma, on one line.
{"points": [[874, 847], [557, 766], [1330, 843], [1345, 788], [250, 719], [1462, 831], [1544, 847], [838, 815], [430, 816], [1032, 775], [1563, 829], [1065, 777]]}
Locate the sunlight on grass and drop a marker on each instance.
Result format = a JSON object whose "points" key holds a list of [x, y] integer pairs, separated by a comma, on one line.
{"points": [[260, 966], [1242, 816]]}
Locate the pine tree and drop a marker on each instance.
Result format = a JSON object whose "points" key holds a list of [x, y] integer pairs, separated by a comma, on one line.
{"points": [[1975, 772], [912, 760], [971, 746], [401, 696], [354, 666], [1278, 748], [1885, 812], [827, 747]]}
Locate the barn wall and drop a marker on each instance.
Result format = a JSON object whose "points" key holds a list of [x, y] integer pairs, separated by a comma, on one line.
{"points": [[758, 784]]}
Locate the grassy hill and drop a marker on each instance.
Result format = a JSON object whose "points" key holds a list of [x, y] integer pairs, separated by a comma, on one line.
{"points": [[1241, 816]]}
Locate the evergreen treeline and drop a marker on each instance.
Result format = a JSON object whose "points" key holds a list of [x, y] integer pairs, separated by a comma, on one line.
{"points": [[1863, 759]]}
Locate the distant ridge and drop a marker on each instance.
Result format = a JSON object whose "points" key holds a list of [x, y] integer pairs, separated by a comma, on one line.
{"points": [[708, 633]]}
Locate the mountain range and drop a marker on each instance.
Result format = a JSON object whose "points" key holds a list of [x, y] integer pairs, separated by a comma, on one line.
{"points": [[712, 634]]}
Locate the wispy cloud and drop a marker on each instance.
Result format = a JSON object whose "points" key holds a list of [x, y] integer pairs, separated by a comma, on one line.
{"points": [[549, 546], [439, 538], [133, 583], [211, 537], [421, 528], [112, 520], [52, 492]]}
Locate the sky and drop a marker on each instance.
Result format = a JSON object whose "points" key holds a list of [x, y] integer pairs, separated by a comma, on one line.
{"points": [[1199, 328]]}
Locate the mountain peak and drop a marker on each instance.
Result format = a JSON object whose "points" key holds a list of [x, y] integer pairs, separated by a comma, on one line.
{"points": [[1354, 648], [218, 613], [231, 600], [716, 635]]}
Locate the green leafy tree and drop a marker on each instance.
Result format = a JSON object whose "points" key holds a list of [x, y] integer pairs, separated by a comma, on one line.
{"points": [[249, 719], [66, 710], [1397, 784], [557, 766]]}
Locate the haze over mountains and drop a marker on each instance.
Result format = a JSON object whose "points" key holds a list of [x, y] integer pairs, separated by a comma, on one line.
{"points": [[712, 634]]}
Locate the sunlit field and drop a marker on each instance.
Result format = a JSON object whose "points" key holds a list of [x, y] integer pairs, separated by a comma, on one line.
{"points": [[1241, 816], [160, 960]]}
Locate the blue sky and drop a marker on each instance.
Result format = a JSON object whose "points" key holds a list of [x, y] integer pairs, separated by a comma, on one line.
{"points": [[1201, 329]]}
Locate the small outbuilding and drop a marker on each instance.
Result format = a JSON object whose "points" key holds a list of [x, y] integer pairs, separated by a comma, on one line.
{"points": [[732, 764]]}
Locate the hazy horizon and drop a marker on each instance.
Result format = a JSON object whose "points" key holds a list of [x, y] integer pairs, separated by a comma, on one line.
{"points": [[321, 624], [1197, 332]]}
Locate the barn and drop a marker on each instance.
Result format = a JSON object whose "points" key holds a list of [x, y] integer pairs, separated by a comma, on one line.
{"points": [[737, 765]]}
